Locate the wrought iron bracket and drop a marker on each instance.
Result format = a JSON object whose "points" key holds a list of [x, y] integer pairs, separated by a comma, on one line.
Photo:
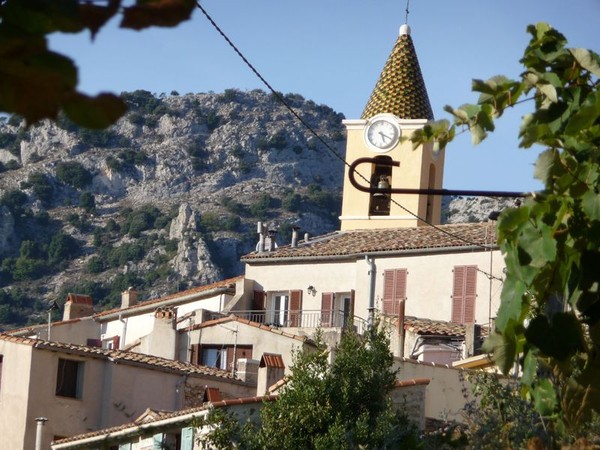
{"points": [[385, 162]]}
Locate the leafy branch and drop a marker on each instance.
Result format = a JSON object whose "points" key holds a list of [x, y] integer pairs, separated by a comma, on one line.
{"points": [[37, 83]]}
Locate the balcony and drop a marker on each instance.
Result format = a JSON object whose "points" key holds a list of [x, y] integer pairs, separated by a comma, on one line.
{"points": [[301, 319]]}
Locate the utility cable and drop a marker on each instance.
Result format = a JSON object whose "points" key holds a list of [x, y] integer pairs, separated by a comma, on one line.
{"points": [[313, 131]]}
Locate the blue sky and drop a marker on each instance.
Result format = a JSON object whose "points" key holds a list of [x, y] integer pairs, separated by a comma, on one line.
{"points": [[332, 51]]}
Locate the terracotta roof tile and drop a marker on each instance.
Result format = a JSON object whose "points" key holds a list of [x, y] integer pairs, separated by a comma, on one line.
{"points": [[153, 362], [154, 416], [391, 240], [400, 90], [234, 318], [271, 360], [228, 283], [433, 327]]}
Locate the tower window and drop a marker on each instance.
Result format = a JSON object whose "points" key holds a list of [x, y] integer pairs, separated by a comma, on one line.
{"points": [[379, 204]]}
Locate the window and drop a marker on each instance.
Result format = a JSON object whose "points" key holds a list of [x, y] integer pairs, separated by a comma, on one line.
{"points": [[284, 309], [219, 356], [336, 308], [69, 378], [394, 291], [464, 293]]}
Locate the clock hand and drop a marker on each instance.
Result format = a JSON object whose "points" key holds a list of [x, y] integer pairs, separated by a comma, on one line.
{"points": [[384, 136]]}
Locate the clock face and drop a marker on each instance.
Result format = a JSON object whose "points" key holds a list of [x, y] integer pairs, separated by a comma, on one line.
{"points": [[382, 135]]}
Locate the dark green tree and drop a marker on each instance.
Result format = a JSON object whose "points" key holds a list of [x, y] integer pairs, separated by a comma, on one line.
{"points": [[342, 405], [73, 174]]}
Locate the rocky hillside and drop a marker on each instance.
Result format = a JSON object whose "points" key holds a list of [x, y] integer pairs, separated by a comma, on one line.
{"points": [[166, 199]]}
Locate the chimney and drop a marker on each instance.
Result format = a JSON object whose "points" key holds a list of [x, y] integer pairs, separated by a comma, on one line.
{"points": [[472, 339], [271, 369], [260, 229], [248, 370], [294, 236], [306, 237], [129, 298], [78, 306], [272, 245], [162, 340]]}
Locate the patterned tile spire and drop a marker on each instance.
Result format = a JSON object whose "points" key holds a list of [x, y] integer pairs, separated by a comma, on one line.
{"points": [[400, 89]]}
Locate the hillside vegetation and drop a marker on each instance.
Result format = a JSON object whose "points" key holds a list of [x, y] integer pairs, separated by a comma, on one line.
{"points": [[166, 199]]}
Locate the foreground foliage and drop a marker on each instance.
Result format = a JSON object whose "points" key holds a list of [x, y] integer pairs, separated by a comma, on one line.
{"points": [[37, 83], [549, 319], [342, 405]]}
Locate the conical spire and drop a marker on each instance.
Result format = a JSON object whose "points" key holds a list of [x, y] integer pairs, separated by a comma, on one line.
{"points": [[400, 89]]}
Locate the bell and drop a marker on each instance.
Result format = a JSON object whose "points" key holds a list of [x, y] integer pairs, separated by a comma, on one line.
{"points": [[383, 184]]}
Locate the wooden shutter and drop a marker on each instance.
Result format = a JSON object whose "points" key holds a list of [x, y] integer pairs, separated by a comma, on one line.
{"points": [[187, 438], [195, 354], [259, 300], [394, 290], [295, 308], [327, 309], [464, 294], [351, 310], [116, 341], [240, 352]]}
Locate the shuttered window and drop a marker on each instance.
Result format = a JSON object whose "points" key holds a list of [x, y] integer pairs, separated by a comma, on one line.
{"points": [[295, 308], [464, 294], [394, 290], [327, 309], [187, 438]]}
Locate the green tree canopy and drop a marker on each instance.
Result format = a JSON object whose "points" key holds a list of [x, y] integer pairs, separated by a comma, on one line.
{"points": [[342, 405]]}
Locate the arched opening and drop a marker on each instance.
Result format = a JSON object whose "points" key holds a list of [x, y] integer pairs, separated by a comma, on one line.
{"points": [[379, 204]]}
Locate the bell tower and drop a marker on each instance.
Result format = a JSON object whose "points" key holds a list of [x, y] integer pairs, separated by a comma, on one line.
{"points": [[398, 106]]}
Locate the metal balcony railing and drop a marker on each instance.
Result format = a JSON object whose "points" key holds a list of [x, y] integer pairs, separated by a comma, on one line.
{"points": [[301, 318]]}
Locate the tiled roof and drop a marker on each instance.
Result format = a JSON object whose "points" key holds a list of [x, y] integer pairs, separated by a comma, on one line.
{"points": [[271, 360], [433, 327], [139, 359], [233, 318], [400, 90], [390, 240], [206, 289], [152, 416], [228, 283]]}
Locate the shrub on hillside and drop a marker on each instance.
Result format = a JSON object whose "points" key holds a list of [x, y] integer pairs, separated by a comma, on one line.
{"points": [[73, 174]]}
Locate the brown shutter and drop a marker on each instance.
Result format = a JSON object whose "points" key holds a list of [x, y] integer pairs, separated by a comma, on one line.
{"points": [[295, 312], [195, 354], [389, 284], [394, 290], [259, 301], [116, 341], [327, 309], [470, 294], [352, 296], [464, 293]]}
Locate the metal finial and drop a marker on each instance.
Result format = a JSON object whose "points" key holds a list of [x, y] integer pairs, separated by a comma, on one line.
{"points": [[407, 12]]}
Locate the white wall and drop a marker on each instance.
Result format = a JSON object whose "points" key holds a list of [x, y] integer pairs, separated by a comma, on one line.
{"points": [[429, 281]]}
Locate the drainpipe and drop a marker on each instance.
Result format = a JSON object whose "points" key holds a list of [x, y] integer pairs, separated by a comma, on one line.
{"points": [[124, 332], [39, 431], [372, 272]]}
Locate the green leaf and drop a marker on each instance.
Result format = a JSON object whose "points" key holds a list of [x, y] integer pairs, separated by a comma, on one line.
{"points": [[503, 350], [160, 13], [590, 203], [587, 59], [559, 339], [544, 397], [530, 366], [95, 112], [544, 165]]}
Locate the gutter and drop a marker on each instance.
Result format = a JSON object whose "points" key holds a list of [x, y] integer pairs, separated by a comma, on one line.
{"points": [[351, 256]]}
